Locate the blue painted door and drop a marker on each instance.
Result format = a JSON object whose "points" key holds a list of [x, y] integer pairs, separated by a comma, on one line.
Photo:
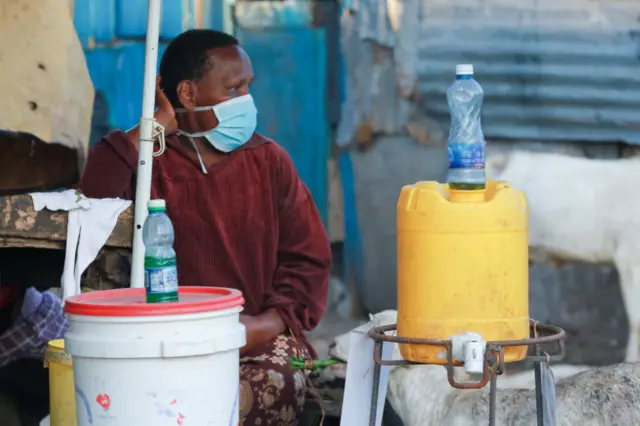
{"points": [[289, 90]]}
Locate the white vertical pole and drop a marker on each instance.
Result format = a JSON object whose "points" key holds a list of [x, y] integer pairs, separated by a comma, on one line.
{"points": [[146, 146]]}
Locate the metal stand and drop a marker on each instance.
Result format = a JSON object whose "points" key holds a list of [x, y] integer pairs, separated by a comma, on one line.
{"points": [[493, 366]]}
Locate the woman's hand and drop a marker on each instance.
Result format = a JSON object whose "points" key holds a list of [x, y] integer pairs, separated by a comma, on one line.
{"points": [[251, 325], [261, 328], [165, 114]]}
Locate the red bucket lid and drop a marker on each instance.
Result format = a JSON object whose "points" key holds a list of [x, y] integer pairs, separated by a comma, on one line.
{"points": [[131, 302]]}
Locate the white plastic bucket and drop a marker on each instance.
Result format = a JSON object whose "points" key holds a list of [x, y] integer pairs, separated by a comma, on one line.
{"points": [[139, 364]]}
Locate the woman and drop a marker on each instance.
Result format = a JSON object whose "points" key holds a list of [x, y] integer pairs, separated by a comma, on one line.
{"points": [[242, 216]]}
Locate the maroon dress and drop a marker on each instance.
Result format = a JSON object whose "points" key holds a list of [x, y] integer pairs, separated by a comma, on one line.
{"points": [[248, 223]]}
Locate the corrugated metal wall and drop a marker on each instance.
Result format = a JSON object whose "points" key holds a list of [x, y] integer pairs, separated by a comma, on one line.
{"points": [[551, 70]]}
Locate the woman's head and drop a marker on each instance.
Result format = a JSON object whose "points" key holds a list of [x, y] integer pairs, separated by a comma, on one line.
{"points": [[202, 68]]}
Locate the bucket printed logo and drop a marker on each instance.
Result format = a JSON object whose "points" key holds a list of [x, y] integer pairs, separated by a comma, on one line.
{"points": [[104, 401]]}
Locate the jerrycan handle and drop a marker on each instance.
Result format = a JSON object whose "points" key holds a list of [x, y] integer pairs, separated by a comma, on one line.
{"points": [[522, 199]]}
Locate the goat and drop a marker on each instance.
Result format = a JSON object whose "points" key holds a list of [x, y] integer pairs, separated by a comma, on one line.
{"points": [[421, 395], [584, 210]]}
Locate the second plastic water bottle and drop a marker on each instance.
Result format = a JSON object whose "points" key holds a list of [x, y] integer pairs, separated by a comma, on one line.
{"points": [[160, 272], [466, 142]]}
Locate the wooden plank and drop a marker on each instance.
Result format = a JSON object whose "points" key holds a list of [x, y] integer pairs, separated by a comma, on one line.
{"points": [[29, 164], [22, 226]]}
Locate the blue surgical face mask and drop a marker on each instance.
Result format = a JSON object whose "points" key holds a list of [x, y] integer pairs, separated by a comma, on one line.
{"points": [[237, 119]]}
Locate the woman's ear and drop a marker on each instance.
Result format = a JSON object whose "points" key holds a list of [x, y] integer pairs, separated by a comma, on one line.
{"points": [[186, 91]]}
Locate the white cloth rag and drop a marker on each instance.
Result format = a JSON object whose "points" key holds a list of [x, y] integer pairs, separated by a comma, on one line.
{"points": [[91, 222]]}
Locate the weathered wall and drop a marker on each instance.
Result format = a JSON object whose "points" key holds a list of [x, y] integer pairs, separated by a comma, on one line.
{"points": [[379, 173], [46, 86]]}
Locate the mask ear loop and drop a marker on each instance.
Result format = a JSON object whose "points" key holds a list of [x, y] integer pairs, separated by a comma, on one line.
{"points": [[158, 132]]}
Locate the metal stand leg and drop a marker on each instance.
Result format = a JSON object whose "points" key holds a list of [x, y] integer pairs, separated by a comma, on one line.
{"points": [[538, 373], [376, 384], [493, 390]]}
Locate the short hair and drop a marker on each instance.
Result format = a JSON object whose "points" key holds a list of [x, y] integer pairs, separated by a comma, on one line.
{"points": [[187, 58]]}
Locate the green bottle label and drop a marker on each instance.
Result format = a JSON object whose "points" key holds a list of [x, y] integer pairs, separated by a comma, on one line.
{"points": [[161, 276]]}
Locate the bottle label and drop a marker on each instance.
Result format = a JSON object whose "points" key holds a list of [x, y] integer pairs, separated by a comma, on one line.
{"points": [[466, 155], [159, 279]]}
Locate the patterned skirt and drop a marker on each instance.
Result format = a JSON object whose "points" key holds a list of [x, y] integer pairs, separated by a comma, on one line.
{"points": [[271, 392]]}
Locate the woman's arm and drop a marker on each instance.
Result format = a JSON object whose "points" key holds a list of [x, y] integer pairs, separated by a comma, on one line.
{"points": [[113, 161], [262, 328], [298, 299]]}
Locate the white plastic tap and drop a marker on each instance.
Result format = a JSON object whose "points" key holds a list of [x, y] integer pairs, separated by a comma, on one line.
{"points": [[469, 348]]}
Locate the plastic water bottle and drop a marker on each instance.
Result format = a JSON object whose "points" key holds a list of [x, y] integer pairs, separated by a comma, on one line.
{"points": [[466, 142], [160, 272]]}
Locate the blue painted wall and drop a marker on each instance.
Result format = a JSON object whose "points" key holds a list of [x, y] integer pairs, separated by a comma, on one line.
{"points": [[112, 33], [106, 21], [117, 72], [289, 90]]}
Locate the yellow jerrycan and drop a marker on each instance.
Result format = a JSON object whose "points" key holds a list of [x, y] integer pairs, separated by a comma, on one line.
{"points": [[62, 394], [463, 266]]}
